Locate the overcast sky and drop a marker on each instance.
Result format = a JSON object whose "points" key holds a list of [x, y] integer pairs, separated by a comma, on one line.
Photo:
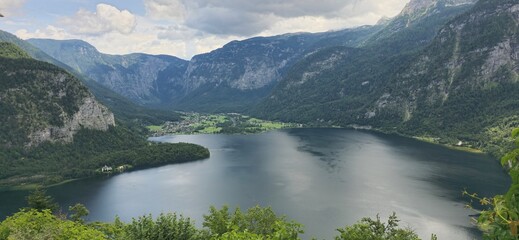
{"points": [[183, 28]]}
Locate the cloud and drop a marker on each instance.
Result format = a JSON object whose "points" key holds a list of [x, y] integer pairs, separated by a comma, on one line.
{"points": [[8, 7], [224, 21], [247, 18], [50, 31], [184, 28], [106, 19], [165, 9]]}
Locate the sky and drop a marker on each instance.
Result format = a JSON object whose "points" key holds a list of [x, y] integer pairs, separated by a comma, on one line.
{"points": [[183, 28]]}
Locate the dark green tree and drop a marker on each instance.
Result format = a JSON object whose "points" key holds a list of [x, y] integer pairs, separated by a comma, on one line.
{"points": [[78, 212], [39, 200]]}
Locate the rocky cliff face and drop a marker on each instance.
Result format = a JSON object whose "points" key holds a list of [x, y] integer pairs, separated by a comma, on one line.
{"points": [[476, 53], [247, 70], [244, 65], [41, 102], [91, 115], [244, 70]]}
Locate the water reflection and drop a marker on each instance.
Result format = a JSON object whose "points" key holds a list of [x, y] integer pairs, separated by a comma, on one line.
{"points": [[323, 178]]}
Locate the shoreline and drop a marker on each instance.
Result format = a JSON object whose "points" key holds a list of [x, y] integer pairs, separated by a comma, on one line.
{"points": [[32, 186], [423, 139], [351, 127]]}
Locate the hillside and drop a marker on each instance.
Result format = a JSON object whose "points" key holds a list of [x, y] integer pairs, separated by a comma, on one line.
{"points": [[461, 86], [123, 108], [41, 102], [336, 85], [52, 128], [456, 86]]}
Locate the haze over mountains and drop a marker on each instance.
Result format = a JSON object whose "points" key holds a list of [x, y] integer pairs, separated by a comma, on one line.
{"points": [[433, 70]]}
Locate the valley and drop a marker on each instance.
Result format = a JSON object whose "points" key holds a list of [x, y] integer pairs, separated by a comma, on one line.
{"points": [[317, 125], [224, 123]]}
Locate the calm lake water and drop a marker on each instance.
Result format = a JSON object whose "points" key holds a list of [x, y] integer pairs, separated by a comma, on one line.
{"points": [[323, 178]]}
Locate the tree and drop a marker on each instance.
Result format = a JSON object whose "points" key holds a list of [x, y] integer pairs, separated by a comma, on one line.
{"points": [[166, 226], [256, 223], [41, 224], [39, 200], [368, 228], [78, 211], [501, 219]]}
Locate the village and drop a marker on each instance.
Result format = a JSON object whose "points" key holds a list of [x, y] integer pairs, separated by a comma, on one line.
{"points": [[225, 123]]}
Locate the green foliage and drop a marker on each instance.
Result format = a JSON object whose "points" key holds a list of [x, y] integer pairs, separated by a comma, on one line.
{"points": [[39, 200], [54, 162], [165, 227], [371, 229], [501, 219], [256, 223], [78, 212], [33, 224], [9, 50]]}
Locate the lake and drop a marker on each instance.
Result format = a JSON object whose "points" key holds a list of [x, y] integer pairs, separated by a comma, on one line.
{"points": [[322, 178]]}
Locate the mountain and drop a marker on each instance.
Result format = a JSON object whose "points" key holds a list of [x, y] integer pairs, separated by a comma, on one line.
{"points": [[241, 73], [41, 102], [456, 86], [464, 82], [335, 85], [231, 78], [142, 78], [124, 109], [29, 49], [416, 25], [53, 129]]}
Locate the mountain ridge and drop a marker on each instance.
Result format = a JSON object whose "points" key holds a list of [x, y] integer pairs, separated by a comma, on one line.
{"points": [[136, 76], [238, 75]]}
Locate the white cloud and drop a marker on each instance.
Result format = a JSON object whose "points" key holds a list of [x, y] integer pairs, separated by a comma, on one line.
{"points": [[50, 31], [184, 28], [10, 7], [252, 17], [165, 9], [106, 19]]}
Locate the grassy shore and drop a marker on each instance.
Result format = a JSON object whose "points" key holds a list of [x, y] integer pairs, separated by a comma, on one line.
{"points": [[225, 123]]}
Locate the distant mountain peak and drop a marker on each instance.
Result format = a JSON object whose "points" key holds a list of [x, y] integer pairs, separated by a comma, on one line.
{"points": [[384, 20], [420, 6]]}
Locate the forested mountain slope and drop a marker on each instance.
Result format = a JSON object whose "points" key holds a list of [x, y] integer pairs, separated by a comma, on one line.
{"points": [[41, 102], [459, 87], [337, 84], [124, 109], [52, 128]]}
